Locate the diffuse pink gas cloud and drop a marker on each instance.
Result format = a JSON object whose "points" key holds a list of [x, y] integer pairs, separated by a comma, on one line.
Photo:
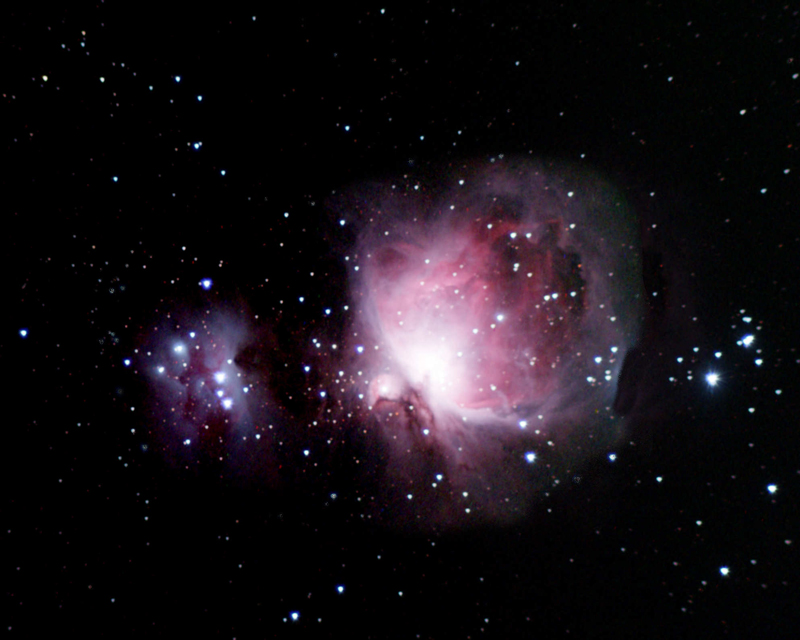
{"points": [[492, 312]]}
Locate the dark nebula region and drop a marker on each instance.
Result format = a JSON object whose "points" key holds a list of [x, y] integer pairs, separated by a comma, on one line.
{"points": [[473, 364]]}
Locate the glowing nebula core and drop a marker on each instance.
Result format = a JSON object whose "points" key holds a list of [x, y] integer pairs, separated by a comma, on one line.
{"points": [[482, 323]]}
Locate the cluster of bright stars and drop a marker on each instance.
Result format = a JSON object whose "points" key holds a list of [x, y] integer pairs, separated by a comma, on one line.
{"points": [[220, 377]]}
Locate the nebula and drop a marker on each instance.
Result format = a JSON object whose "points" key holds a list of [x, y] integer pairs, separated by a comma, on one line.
{"points": [[206, 401], [493, 311], [468, 362]]}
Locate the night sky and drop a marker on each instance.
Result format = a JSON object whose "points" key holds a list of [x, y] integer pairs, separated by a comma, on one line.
{"points": [[420, 320]]}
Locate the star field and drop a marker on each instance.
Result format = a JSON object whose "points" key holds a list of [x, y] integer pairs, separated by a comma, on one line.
{"points": [[406, 322]]}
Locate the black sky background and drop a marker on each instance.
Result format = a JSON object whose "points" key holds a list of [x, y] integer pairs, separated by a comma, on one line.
{"points": [[103, 536]]}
